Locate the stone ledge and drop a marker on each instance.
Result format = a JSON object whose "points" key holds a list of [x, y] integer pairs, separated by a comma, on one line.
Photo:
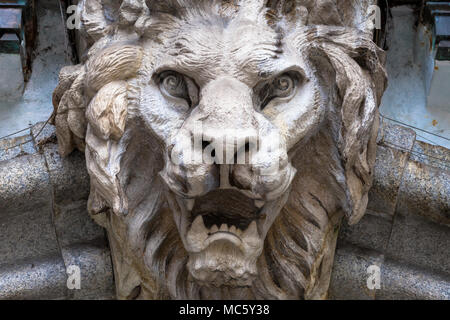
{"points": [[45, 226], [24, 185], [398, 281], [28, 236], [394, 149], [43, 278], [433, 156], [412, 237], [389, 169], [372, 232], [349, 275], [425, 191], [14, 147], [421, 243], [94, 261]]}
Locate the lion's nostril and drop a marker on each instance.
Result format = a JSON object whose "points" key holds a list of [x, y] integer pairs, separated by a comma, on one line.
{"points": [[243, 155], [170, 149], [205, 145], [247, 147]]}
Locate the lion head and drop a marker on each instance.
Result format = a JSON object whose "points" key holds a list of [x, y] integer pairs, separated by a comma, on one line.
{"points": [[224, 140]]}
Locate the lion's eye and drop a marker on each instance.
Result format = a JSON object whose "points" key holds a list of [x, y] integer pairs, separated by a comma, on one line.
{"points": [[176, 85], [284, 85], [173, 84], [281, 87]]}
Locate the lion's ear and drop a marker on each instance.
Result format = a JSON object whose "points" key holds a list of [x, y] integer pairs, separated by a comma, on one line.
{"points": [[77, 85], [69, 106], [116, 62], [107, 111]]}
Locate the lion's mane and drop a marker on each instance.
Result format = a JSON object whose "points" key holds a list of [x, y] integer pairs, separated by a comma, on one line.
{"points": [[96, 110]]}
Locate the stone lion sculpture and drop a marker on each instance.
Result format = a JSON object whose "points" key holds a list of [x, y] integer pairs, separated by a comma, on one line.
{"points": [[305, 74]]}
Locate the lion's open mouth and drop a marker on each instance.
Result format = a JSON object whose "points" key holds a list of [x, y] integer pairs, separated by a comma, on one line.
{"points": [[226, 211], [223, 230], [224, 237], [226, 215]]}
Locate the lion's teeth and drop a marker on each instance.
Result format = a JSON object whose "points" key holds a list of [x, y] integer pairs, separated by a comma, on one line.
{"points": [[198, 233], [198, 225], [190, 204], [233, 229], [239, 232], [224, 227], [214, 229], [252, 231], [259, 204]]}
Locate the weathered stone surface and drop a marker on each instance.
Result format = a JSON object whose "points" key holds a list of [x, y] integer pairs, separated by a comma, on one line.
{"points": [[43, 133], [416, 267], [417, 241], [94, 261], [406, 276], [40, 237], [83, 244], [400, 282], [9, 151], [39, 278], [27, 235], [68, 175], [430, 155], [425, 191], [396, 136], [410, 192], [397, 279], [186, 229], [388, 176], [394, 148], [24, 185], [372, 232], [74, 225], [349, 275]]}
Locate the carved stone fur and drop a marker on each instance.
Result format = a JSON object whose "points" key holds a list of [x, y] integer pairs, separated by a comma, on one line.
{"points": [[305, 71]]}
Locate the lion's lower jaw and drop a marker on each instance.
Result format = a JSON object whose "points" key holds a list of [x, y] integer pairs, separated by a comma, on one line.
{"points": [[223, 264]]}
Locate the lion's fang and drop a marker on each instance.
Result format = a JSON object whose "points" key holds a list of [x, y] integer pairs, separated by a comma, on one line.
{"points": [[259, 204], [252, 231], [190, 204], [198, 225]]}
